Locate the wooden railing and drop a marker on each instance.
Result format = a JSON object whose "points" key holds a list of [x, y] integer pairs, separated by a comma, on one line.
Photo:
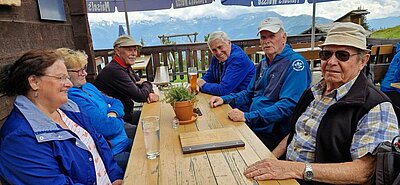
{"points": [[180, 56]]}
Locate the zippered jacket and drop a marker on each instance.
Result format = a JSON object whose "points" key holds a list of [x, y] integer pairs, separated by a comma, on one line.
{"points": [[96, 105], [36, 150], [273, 93]]}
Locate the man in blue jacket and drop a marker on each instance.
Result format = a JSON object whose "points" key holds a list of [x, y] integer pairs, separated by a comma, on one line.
{"points": [[393, 76], [281, 78], [230, 70]]}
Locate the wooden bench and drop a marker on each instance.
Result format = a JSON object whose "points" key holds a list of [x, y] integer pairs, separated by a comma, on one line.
{"points": [[251, 52], [305, 44], [6, 104], [379, 71], [312, 56], [382, 53]]}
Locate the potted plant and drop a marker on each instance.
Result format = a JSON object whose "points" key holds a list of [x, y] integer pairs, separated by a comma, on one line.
{"points": [[182, 101]]}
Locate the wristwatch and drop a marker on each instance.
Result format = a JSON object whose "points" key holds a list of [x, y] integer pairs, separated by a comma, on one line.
{"points": [[308, 172]]}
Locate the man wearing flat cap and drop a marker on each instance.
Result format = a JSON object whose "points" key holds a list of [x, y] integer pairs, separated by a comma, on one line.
{"points": [[280, 79], [337, 123], [119, 81]]}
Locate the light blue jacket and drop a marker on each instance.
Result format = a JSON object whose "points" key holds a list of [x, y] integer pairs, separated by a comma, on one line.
{"points": [[97, 105], [393, 73], [35, 150], [273, 92]]}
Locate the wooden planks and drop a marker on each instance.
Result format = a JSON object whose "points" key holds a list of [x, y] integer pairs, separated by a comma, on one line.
{"points": [[224, 166]]}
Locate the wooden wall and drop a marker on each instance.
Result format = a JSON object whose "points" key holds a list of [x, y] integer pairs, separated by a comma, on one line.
{"points": [[21, 30]]}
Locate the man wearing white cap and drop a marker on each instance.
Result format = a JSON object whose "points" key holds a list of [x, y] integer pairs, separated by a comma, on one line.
{"points": [[280, 79], [119, 81], [337, 123]]}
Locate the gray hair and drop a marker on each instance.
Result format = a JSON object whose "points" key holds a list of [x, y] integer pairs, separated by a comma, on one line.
{"points": [[218, 35]]}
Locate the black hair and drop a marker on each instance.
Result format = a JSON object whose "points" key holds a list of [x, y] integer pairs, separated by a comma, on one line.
{"points": [[14, 77]]}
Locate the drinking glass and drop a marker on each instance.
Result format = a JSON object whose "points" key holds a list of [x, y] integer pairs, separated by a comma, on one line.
{"points": [[192, 71], [151, 132]]}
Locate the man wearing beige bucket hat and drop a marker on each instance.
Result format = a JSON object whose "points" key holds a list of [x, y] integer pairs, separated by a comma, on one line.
{"points": [[337, 123], [119, 81]]}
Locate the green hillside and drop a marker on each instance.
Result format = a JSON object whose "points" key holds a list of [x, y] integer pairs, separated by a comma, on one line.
{"points": [[393, 32]]}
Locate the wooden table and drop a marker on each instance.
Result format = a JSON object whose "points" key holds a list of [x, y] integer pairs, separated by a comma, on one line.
{"points": [[396, 85], [209, 168], [142, 64]]}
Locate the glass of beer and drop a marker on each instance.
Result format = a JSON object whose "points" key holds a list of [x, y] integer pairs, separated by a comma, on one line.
{"points": [[192, 71]]}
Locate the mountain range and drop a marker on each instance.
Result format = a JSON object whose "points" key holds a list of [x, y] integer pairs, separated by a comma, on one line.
{"points": [[240, 27]]}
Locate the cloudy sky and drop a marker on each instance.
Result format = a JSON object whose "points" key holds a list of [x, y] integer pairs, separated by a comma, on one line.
{"points": [[330, 10]]}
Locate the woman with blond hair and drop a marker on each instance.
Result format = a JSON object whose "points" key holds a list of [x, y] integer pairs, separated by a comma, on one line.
{"points": [[106, 113]]}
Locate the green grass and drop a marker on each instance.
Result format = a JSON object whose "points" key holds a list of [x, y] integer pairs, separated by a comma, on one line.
{"points": [[393, 32]]}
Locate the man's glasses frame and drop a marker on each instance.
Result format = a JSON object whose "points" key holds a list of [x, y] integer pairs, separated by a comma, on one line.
{"points": [[341, 55]]}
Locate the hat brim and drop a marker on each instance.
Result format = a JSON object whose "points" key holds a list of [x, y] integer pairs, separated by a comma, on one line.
{"points": [[129, 44], [273, 29], [343, 44]]}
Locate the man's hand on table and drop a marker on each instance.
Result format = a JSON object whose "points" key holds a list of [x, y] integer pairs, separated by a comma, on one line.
{"points": [[197, 89], [152, 98], [216, 101], [274, 169], [236, 115], [200, 83]]}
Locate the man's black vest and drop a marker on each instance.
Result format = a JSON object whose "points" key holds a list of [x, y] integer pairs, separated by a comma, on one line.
{"points": [[337, 127]]}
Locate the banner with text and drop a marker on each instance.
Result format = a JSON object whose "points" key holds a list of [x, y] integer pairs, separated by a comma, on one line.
{"points": [[103, 6], [187, 3]]}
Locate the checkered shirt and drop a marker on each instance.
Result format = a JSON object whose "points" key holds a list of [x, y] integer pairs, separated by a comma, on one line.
{"points": [[378, 125]]}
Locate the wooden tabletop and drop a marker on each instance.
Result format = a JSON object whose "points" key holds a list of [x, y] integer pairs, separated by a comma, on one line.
{"points": [[209, 168], [141, 62], [396, 85]]}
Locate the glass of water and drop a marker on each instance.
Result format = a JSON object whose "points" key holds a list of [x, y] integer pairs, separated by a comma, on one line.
{"points": [[151, 132]]}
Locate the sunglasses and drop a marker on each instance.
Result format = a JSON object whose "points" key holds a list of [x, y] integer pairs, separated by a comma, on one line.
{"points": [[342, 56]]}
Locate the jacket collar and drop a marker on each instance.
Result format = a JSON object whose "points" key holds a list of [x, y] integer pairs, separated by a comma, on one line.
{"points": [[120, 62], [357, 93], [43, 127]]}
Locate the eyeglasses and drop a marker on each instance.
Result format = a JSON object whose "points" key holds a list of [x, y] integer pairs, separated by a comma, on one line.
{"points": [[342, 56], [62, 79], [79, 71]]}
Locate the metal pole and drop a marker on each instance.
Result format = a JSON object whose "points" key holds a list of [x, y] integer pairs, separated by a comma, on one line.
{"points": [[313, 26], [126, 19]]}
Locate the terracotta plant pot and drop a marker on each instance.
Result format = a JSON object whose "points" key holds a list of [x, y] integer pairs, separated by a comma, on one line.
{"points": [[183, 110]]}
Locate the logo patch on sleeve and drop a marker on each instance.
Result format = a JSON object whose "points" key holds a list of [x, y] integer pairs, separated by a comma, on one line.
{"points": [[298, 65]]}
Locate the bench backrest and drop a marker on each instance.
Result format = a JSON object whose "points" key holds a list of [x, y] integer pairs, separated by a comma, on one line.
{"points": [[6, 104], [379, 71], [251, 52], [382, 54], [305, 44]]}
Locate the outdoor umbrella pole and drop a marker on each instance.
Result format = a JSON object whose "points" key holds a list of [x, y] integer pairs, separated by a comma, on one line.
{"points": [[126, 19]]}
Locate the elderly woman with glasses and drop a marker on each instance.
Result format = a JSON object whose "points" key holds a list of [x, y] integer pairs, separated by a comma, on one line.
{"points": [[46, 139], [106, 113], [338, 122]]}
